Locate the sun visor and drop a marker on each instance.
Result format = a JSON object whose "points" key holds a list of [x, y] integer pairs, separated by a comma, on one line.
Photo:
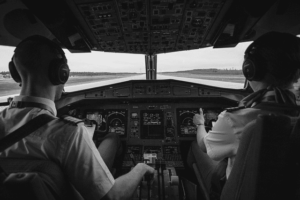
{"points": [[21, 23]]}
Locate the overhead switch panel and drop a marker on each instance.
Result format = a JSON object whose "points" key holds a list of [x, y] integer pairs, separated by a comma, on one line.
{"points": [[150, 26]]}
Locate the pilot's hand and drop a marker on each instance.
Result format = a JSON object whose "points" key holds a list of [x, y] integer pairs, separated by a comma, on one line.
{"points": [[198, 119], [148, 169]]}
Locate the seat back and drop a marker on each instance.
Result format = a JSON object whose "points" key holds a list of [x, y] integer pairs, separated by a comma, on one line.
{"points": [[45, 173], [267, 161]]}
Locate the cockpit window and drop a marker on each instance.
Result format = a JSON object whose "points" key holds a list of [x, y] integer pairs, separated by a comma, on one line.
{"points": [[216, 67], [88, 70], [103, 68]]}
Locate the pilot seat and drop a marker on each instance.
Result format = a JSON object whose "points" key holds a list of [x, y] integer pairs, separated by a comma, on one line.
{"points": [[267, 165]]}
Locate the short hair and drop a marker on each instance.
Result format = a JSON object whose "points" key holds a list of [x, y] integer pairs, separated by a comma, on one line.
{"points": [[29, 51], [280, 55]]}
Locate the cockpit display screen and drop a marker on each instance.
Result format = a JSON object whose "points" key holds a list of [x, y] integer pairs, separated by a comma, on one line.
{"points": [[109, 121], [97, 118], [117, 121], [186, 126], [152, 124]]}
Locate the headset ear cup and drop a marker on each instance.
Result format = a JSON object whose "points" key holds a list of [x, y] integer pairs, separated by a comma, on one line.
{"points": [[13, 72], [58, 72], [248, 69], [253, 70], [64, 73]]}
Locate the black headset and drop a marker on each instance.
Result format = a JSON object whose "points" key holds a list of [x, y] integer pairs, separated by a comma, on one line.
{"points": [[256, 62], [58, 68], [254, 66]]}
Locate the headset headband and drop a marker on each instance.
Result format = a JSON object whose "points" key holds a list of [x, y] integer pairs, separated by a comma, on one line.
{"points": [[37, 38]]}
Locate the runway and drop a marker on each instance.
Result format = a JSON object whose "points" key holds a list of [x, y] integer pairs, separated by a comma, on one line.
{"points": [[100, 83], [159, 77]]}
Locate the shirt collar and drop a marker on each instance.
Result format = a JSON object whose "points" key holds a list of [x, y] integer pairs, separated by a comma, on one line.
{"points": [[40, 100]]}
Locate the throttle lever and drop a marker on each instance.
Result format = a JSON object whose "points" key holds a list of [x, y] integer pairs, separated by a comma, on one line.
{"points": [[132, 159]]}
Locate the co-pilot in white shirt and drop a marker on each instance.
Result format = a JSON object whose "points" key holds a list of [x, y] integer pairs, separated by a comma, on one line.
{"points": [[68, 145]]}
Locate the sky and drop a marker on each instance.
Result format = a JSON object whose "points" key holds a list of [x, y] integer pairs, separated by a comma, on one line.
{"points": [[224, 58]]}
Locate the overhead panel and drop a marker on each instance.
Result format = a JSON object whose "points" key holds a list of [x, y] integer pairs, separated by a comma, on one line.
{"points": [[134, 18], [103, 21], [197, 20], [166, 20], [150, 26]]}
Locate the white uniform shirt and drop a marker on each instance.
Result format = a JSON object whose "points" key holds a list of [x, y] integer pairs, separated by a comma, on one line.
{"points": [[68, 145], [224, 138]]}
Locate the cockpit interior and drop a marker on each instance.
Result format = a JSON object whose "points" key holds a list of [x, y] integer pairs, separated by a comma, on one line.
{"points": [[153, 118]]}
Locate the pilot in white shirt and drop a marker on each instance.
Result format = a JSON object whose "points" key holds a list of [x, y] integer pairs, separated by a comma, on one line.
{"points": [[67, 144], [271, 66], [40, 66]]}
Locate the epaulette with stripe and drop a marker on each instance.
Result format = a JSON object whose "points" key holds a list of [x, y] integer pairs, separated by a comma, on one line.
{"points": [[232, 109], [71, 120]]}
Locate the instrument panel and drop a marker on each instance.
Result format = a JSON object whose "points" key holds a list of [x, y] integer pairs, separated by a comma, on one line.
{"points": [[149, 130], [154, 119], [149, 112], [147, 123]]}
